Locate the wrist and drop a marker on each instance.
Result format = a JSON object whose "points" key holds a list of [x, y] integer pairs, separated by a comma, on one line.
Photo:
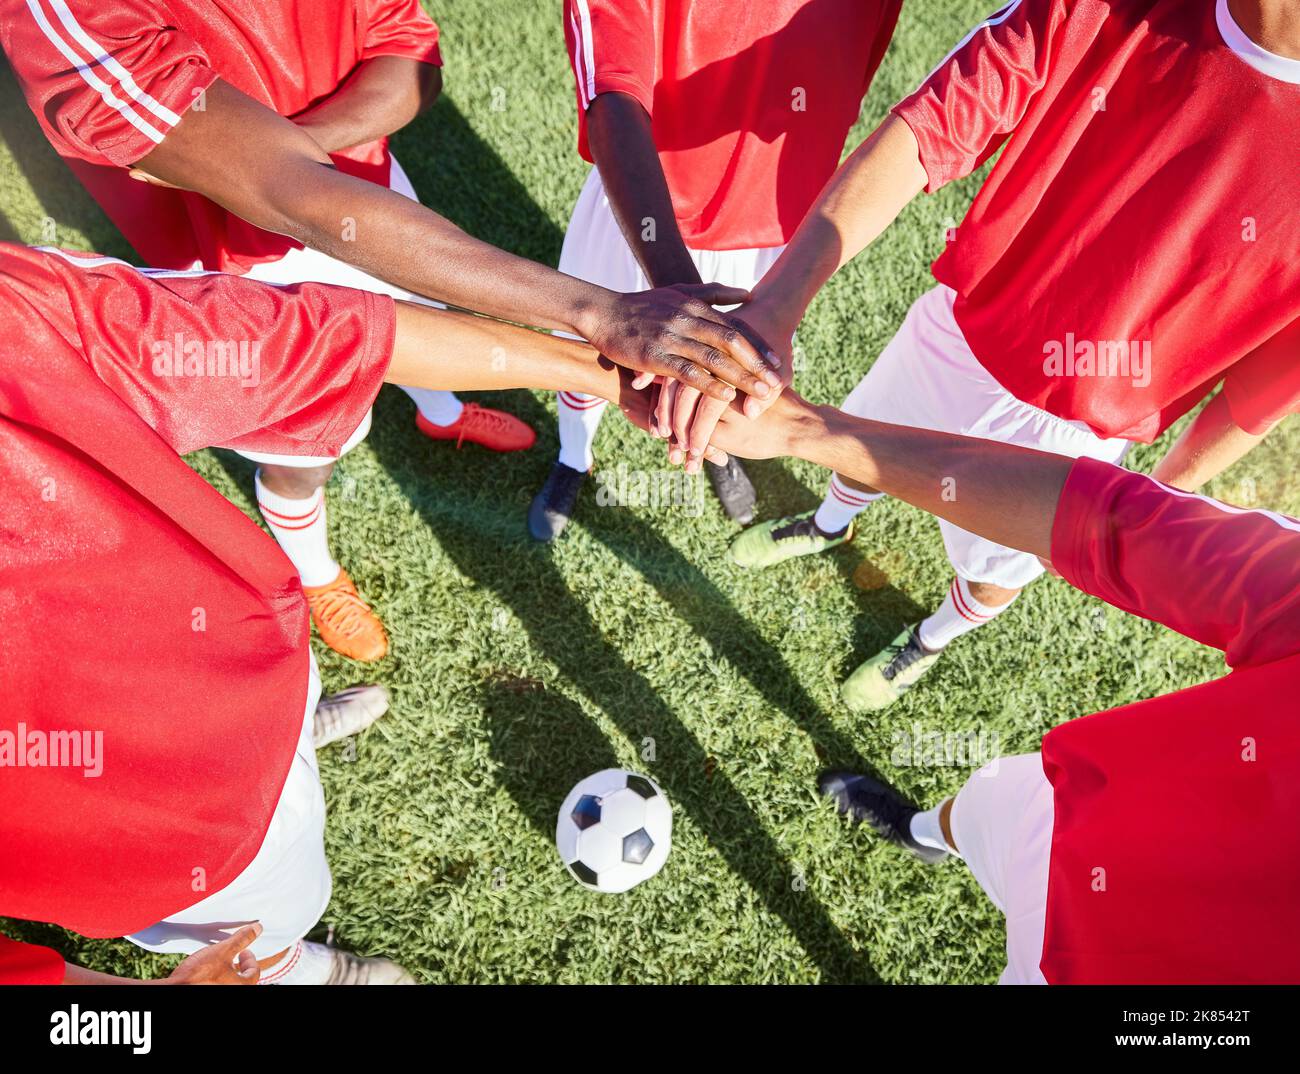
{"points": [[588, 309], [778, 308], [666, 267]]}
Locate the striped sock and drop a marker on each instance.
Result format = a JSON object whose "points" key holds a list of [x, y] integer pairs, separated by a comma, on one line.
{"points": [[841, 505], [305, 963], [579, 419], [959, 614], [299, 528]]}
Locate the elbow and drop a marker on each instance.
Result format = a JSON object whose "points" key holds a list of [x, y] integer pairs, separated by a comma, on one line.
{"points": [[430, 87], [286, 211]]}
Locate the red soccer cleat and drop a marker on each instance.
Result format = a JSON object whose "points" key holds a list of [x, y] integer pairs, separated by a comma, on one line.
{"points": [[493, 429]]}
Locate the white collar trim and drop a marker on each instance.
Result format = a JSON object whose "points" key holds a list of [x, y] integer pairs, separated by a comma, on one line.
{"points": [[1269, 63]]}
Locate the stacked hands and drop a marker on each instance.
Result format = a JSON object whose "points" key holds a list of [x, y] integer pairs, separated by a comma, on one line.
{"points": [[694, 366]]}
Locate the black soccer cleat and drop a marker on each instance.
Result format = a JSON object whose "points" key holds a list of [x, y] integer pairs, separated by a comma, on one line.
{"points": [[552, 508], [734, 489], [868, 801]]}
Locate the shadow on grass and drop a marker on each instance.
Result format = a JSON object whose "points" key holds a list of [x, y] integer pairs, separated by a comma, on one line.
{"points": [[7, 232], [882, 608], [544, 743], [465, 180], [477, 537]]}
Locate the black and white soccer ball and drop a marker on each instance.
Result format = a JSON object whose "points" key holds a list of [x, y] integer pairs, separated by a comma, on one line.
{"points": [[614, 830]]}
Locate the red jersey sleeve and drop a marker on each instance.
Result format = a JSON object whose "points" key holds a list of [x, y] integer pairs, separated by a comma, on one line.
{"points": [[963, 112], [209, 359], [1225, 576], [107, 82], [1264, 386], [400, 28], [611, 49], [29, 964]]}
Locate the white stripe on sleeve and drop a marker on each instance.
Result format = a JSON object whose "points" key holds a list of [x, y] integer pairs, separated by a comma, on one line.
{"points": [[585, 43], [111, 65], [92, 79]]}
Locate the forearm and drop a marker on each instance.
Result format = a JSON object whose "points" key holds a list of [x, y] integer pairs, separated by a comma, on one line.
{"points": [[381, 96], [403, 242], [1005, 493], [456, 351], [622, 144], [284, 183], [1206, 448], [861, 199]]}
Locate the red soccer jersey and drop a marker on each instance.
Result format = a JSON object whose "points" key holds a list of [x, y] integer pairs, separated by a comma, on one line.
{"points": [[1136, 241], [108, 81], [749, 103], [150, 634], [1175, 839]]}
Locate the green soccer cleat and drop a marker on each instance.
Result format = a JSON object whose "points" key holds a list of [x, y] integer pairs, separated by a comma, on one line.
{"points": [[770, 543], [889, 674]]}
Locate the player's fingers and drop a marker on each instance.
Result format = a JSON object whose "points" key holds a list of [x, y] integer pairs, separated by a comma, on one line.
{"points": [[716, 455], [681, 366], [643, 380], [664, 408], [683, 412], [728, 353], [715, 294], [754, 407], [707, 415], [238, 940], [246, 968]]}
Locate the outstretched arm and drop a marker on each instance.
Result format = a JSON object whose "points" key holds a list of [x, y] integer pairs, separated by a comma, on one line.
{"points": [[860, 200], [1226, 577], [269, 171]]}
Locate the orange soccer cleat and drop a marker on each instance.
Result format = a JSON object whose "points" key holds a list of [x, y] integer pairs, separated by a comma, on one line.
{"points": [[494, 429], [344, 621]]}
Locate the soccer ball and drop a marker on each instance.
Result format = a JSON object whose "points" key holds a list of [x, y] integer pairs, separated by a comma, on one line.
{"points": [[614, 830]]}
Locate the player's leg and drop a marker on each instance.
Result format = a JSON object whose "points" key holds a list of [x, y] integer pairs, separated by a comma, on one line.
{"points": [[594, 250], [888, 392], [1000, 823], [291, 497], [286, 886], [734, 268], [988, 576]]}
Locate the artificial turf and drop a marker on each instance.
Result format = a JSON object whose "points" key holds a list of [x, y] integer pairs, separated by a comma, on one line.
{"points": [[516, 669]]}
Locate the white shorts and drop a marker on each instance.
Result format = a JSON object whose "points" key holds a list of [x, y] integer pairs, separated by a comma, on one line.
{"points": [[1002, 823], [596, 251], [311, 266], [927, 378], [287, 884]]}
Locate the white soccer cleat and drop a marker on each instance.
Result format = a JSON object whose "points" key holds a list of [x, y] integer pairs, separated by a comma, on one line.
{"points": [[349, 969], [347, 713]]}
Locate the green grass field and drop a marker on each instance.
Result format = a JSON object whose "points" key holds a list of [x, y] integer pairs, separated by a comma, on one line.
{"points": [[517, 669]]}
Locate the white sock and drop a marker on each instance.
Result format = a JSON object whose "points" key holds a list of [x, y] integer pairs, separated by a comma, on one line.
{"points": [[926, 830], [579, 419], [842, 505], [299, 527], [305, 963], [959, 614], [438, 407]]}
